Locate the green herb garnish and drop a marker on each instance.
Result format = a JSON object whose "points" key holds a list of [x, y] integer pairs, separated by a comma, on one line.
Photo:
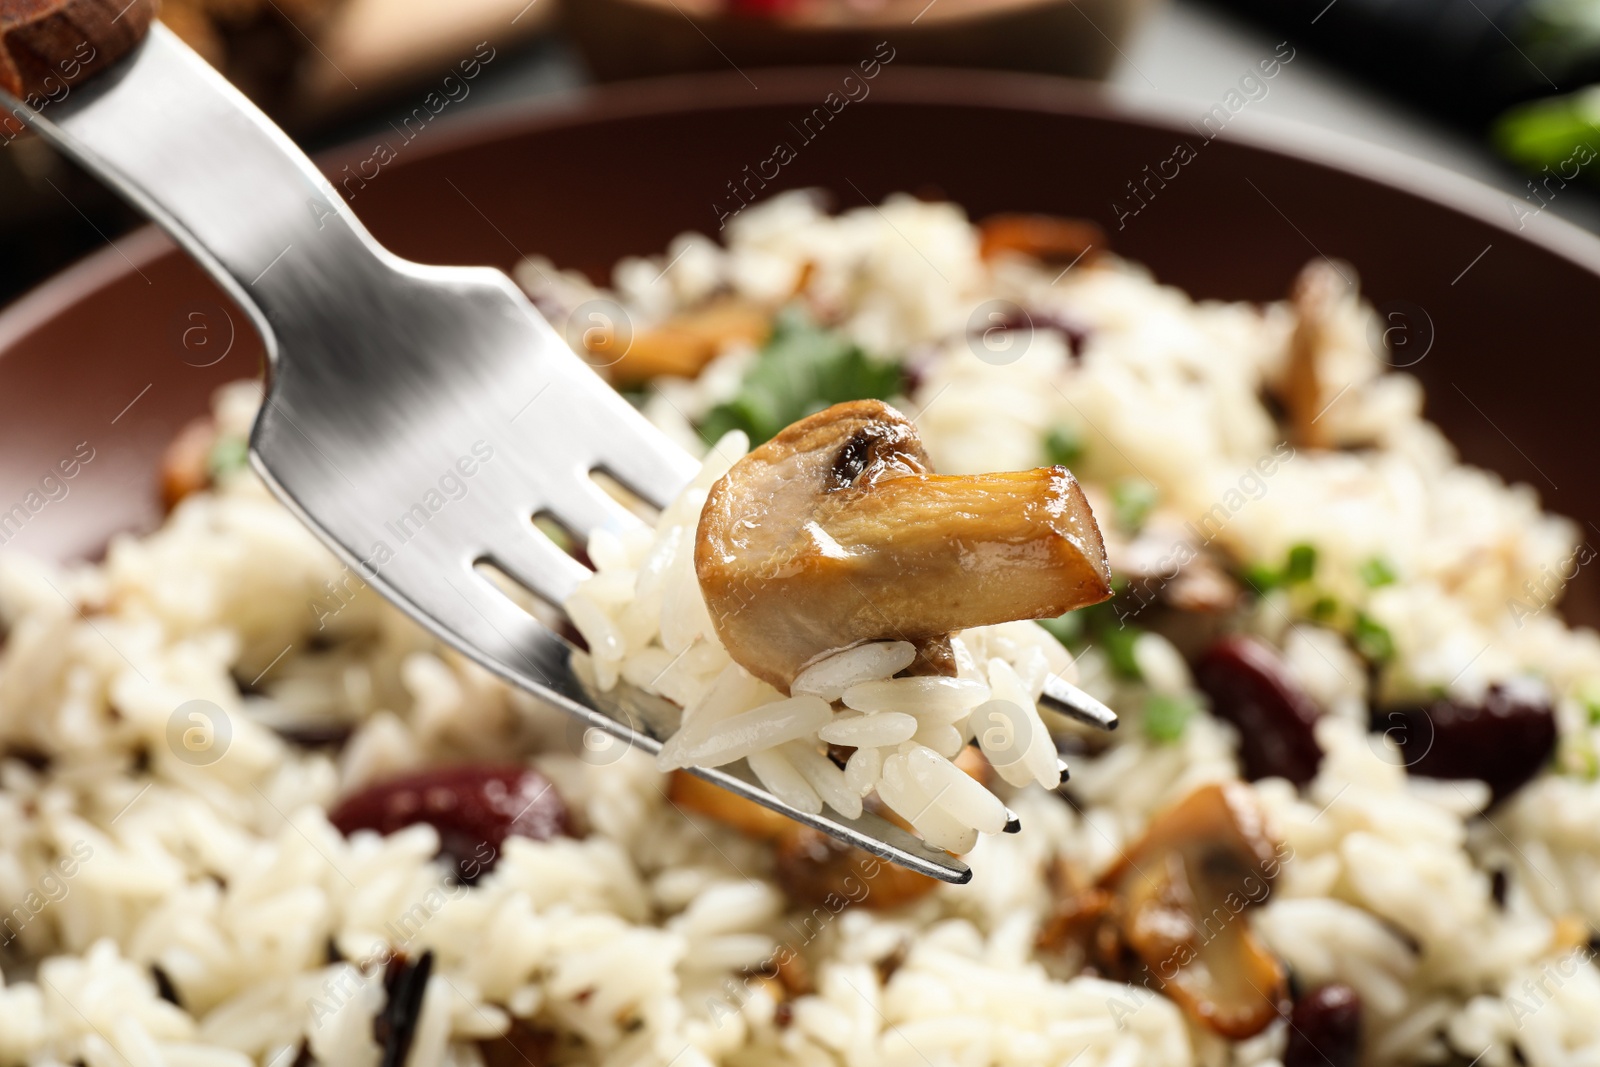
{"points": [[1377, 573], [1372, 639], [1118, 644], [1068, 628], [1261, 577], [1166, 717], [227, 457], [1131, 500], [1062, 447], [802, 369], [1300, 565]]}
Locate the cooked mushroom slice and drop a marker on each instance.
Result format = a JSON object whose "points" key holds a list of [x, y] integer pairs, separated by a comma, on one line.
{"points": [[836, 532], [184, 464], [812, 867], [682, 345], [1046, 237], [1318, 298], [1176, 908]]}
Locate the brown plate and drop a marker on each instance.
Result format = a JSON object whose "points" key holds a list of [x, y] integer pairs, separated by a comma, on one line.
{"points": [[121, 350]]}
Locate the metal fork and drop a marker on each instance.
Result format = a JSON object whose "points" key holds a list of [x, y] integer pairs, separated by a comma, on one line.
{"points": [[387, 376]]}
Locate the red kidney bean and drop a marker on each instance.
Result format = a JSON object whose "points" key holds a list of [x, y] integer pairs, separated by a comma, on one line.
{"points": [[1504, 741], [473, 807], [1325, 1028], [1250, 686]]}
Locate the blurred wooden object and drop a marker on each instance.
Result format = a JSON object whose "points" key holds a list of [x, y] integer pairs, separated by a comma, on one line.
{"points": [[384, 46], [637, 38], [307, 63]]}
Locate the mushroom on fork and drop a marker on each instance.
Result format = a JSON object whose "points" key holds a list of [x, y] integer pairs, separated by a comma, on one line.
{"points": [[836, 532]]}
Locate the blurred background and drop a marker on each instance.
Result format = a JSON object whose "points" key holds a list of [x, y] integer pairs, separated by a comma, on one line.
{"points": [[1493, 89]]}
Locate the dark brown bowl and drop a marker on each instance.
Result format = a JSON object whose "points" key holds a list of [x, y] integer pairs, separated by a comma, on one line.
{"points": [[644, 38], [122, 349]]}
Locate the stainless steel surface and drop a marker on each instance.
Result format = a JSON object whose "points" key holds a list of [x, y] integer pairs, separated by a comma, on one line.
{"points": [[1073, 702], [417, 418]]}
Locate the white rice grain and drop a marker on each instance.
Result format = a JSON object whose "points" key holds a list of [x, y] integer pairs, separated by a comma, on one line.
{"points": [[823, 775], [772, 767], [886, 728], [965, 799], [747, 733], [862, 770], [830, 676], [944, 699]]}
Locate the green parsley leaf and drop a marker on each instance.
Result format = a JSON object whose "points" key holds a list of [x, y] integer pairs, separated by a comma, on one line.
{"points": [[1063, 447], [1301, 564], [802, 369], [1132, 499], [1166, 717], [1376, 572], [1372, 639]]}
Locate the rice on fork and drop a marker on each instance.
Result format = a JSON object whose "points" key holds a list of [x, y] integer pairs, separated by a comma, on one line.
{"points": [[849, 615]]}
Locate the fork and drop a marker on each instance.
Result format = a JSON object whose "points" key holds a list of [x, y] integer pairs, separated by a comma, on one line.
{"points": [[385, 375]]}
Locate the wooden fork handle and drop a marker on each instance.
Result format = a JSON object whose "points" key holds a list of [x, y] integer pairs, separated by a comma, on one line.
{"points": [[49, 46]]}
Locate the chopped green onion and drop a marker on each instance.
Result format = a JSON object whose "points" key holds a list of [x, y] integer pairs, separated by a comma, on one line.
{"points": [[1377, 573], [1301, 564], [1372, 639], [1063, 447], [1324, 608], [1132, 499], [1166, 717]]}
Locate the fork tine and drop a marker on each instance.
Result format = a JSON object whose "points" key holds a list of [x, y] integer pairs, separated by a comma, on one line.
{"points": [[467, 611], [650, 466], [416, 416], [584, 507], [538, 563], [1069, 700]]}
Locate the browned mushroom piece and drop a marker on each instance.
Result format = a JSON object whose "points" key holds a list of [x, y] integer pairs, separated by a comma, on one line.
{"points": [[1318, 293], [836, 532], [1047, 237], [812, 867], [1174, 912], [185, 466], [683, 344]]}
